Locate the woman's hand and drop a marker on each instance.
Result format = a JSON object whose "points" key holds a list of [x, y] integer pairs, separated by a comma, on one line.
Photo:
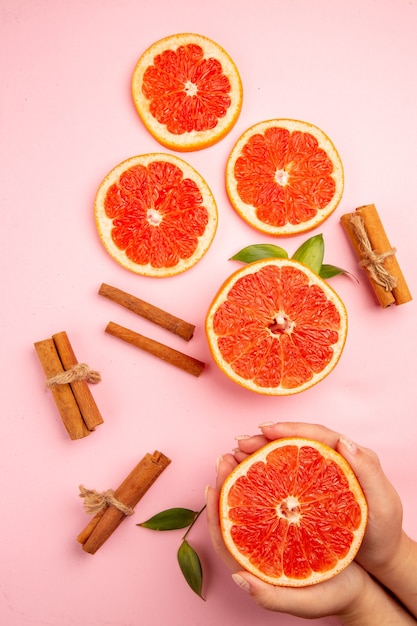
{"points": [[353, 596], [386, 551]]}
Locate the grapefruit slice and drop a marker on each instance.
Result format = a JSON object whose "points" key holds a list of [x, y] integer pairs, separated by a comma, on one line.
{"points": [[293, 513], [187, 91], [276, 327], [284, 177], [155, 215]]}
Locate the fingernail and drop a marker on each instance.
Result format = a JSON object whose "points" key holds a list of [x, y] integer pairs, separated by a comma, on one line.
{"points": [[206, 492], [239, 437], [348, 444], [265, 424], [241, 582], [218, 461]]}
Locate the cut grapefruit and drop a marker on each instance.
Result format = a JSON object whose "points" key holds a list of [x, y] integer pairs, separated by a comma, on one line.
{"points": [[276, 327], [155, 214], [187, 91], [284, 176], [293, 513]]}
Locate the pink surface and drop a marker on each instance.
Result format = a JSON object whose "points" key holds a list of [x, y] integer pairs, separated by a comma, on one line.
{"points": [[67, 118]]}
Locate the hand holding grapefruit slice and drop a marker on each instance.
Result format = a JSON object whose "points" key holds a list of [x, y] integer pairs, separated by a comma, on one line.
{"points": [[275, 327], [293, 513], [284, 176], [155, 215], [187, 91]]}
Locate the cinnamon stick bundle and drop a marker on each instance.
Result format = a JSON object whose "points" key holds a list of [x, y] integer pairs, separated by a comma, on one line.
{"points": [[174, 357], [67, 379], [62, 394], [370, 242], [123, 501], [148, 311], [81, 390]]}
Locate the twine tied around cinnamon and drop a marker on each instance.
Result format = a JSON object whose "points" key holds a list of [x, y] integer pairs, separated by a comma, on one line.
{"points": [[96, 501], [80, 371], [373, 261]]}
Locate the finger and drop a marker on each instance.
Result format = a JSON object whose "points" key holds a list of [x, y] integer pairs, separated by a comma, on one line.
{"points": [[310, 601], [315, 432], [225, 465], [239, 455], [295, 601], [213, 524], [270, 431], [366, 465], [249, 444], [212, 513]]}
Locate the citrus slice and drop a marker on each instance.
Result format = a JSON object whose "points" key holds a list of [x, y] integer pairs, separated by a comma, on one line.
{"points": [[284, 177], [276, 327], [293, 513], [187, 91], [155, 214]]}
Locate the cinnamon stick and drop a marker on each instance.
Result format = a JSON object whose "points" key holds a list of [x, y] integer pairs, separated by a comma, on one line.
{"points": [[370, 242], [174, 357], [88, 408], [148, 311], [132, 489], [62, 394]]}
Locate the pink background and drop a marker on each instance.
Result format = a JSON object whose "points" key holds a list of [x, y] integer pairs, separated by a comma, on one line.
{"points": [[67, 118]]}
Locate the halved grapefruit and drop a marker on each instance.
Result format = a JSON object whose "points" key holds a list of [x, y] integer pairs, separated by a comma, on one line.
{"points": [[284, 176], [276, 327], [187, 91], [155, 214], [293, 513]]}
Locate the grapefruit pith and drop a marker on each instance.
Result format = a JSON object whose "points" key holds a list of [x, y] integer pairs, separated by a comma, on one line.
{"points": [[284, 176], [276, 328], [155, 214], [293, 513], [187, 91]]}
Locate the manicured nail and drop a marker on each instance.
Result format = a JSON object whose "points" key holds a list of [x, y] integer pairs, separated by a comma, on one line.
{"points": [[265, 424], [239, 437], [206, 492], [218, 461], [241, 582], [348, 444]]}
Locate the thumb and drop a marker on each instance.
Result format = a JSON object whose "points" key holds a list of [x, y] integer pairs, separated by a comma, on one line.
{"points": [[302, 602], [261, 592], [367, 468]]}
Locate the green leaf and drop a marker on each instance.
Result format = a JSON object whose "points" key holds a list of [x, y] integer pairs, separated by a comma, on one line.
{"points": [[259, 251], [328, 271], [190, 565], [311, 253], [170, 519]]}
